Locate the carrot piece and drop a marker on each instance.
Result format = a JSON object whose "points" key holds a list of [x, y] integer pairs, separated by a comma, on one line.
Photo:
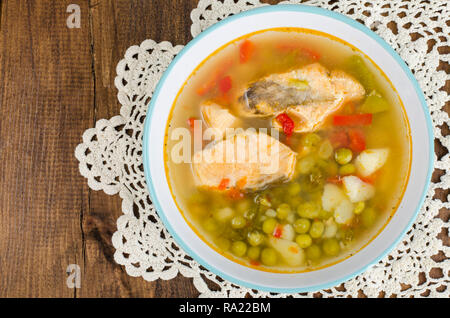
{"points": [[287, 123], [335, 180], [191, 122], [278, 231], [288, 47], [311, 54], [254, 263], [371, 178], [235, 194], [224, 184], [246, 50], [352, 120], [357, 140], [241, 182], [225, 84], [339, 139]]}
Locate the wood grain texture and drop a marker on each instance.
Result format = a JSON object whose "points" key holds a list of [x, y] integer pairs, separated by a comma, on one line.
{"points": [[55, 82]]}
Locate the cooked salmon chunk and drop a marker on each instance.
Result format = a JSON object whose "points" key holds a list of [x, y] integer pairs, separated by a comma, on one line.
{"points": [[248, 160], [309, 94], [218, 117]]}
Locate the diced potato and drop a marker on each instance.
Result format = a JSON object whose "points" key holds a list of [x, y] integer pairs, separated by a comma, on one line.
{"points": [[224, 214], [288, 232], [370, 160], [344, 212], [357, 190], [289, 251], [330, 228], [332, 197]]}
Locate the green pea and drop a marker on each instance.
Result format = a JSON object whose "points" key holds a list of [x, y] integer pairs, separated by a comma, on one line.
{"points": [[238, 222], [294, 189], [317, 229], [324, 215], [253, 253], [308, 210], [302, 226], [223, 243], [325, 149], [347, 169], [313, 252], [306, 164], [311, 140], [255, 238], [303, 240], [283, 211], [343, 156], [332, 169], [295, 201], [359, 207], [239, 248], [331, 247], [269, 226], [368, 217], [269, 256], [210, 225]]}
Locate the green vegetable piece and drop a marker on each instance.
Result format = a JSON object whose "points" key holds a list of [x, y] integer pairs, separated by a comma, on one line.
{"points": [[223, 243], [368, 217], [255, 238], [239, 248], [325, 149], [294, 189], [303, 240], [343, 156], [359, 207], [210, 225], [238, 222], [311, 140], [308, 210], [331, 247], [301, 226], [374, 103], [269, 256], [253, 253], [317, 229], [298, 84], [306, 164], [313, 252], [347, 169], [269, 226], [283, 211], [358, 68]]}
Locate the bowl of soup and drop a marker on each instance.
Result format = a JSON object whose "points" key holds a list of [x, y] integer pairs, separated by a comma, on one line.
{"points": [[287, 148]]}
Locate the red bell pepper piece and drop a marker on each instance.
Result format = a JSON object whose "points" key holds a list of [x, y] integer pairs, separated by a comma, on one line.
{"points": [[246, 51], [225, 84], [287, 123], [357, 140]]}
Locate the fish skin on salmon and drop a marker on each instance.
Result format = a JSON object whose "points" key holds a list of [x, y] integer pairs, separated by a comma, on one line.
{"points": [[249, 159]]}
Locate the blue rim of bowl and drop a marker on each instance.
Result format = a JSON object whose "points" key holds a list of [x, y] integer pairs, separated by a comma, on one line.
{"points": [[292, 8]]}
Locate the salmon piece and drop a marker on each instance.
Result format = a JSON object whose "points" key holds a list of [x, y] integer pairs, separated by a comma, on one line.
{"points": [[218, 117], [347, 86], [257, 158], [308, 94], [276, 92]]}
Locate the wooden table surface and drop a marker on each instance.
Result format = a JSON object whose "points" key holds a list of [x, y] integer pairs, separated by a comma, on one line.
{"points": [[55, 82]]}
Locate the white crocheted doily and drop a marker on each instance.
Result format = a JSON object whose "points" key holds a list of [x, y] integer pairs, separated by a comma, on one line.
{"points": [[111, 155]]}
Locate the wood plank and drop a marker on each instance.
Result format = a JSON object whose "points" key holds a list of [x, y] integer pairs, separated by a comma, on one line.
{"points": [[46, 102], [115, 26]]}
